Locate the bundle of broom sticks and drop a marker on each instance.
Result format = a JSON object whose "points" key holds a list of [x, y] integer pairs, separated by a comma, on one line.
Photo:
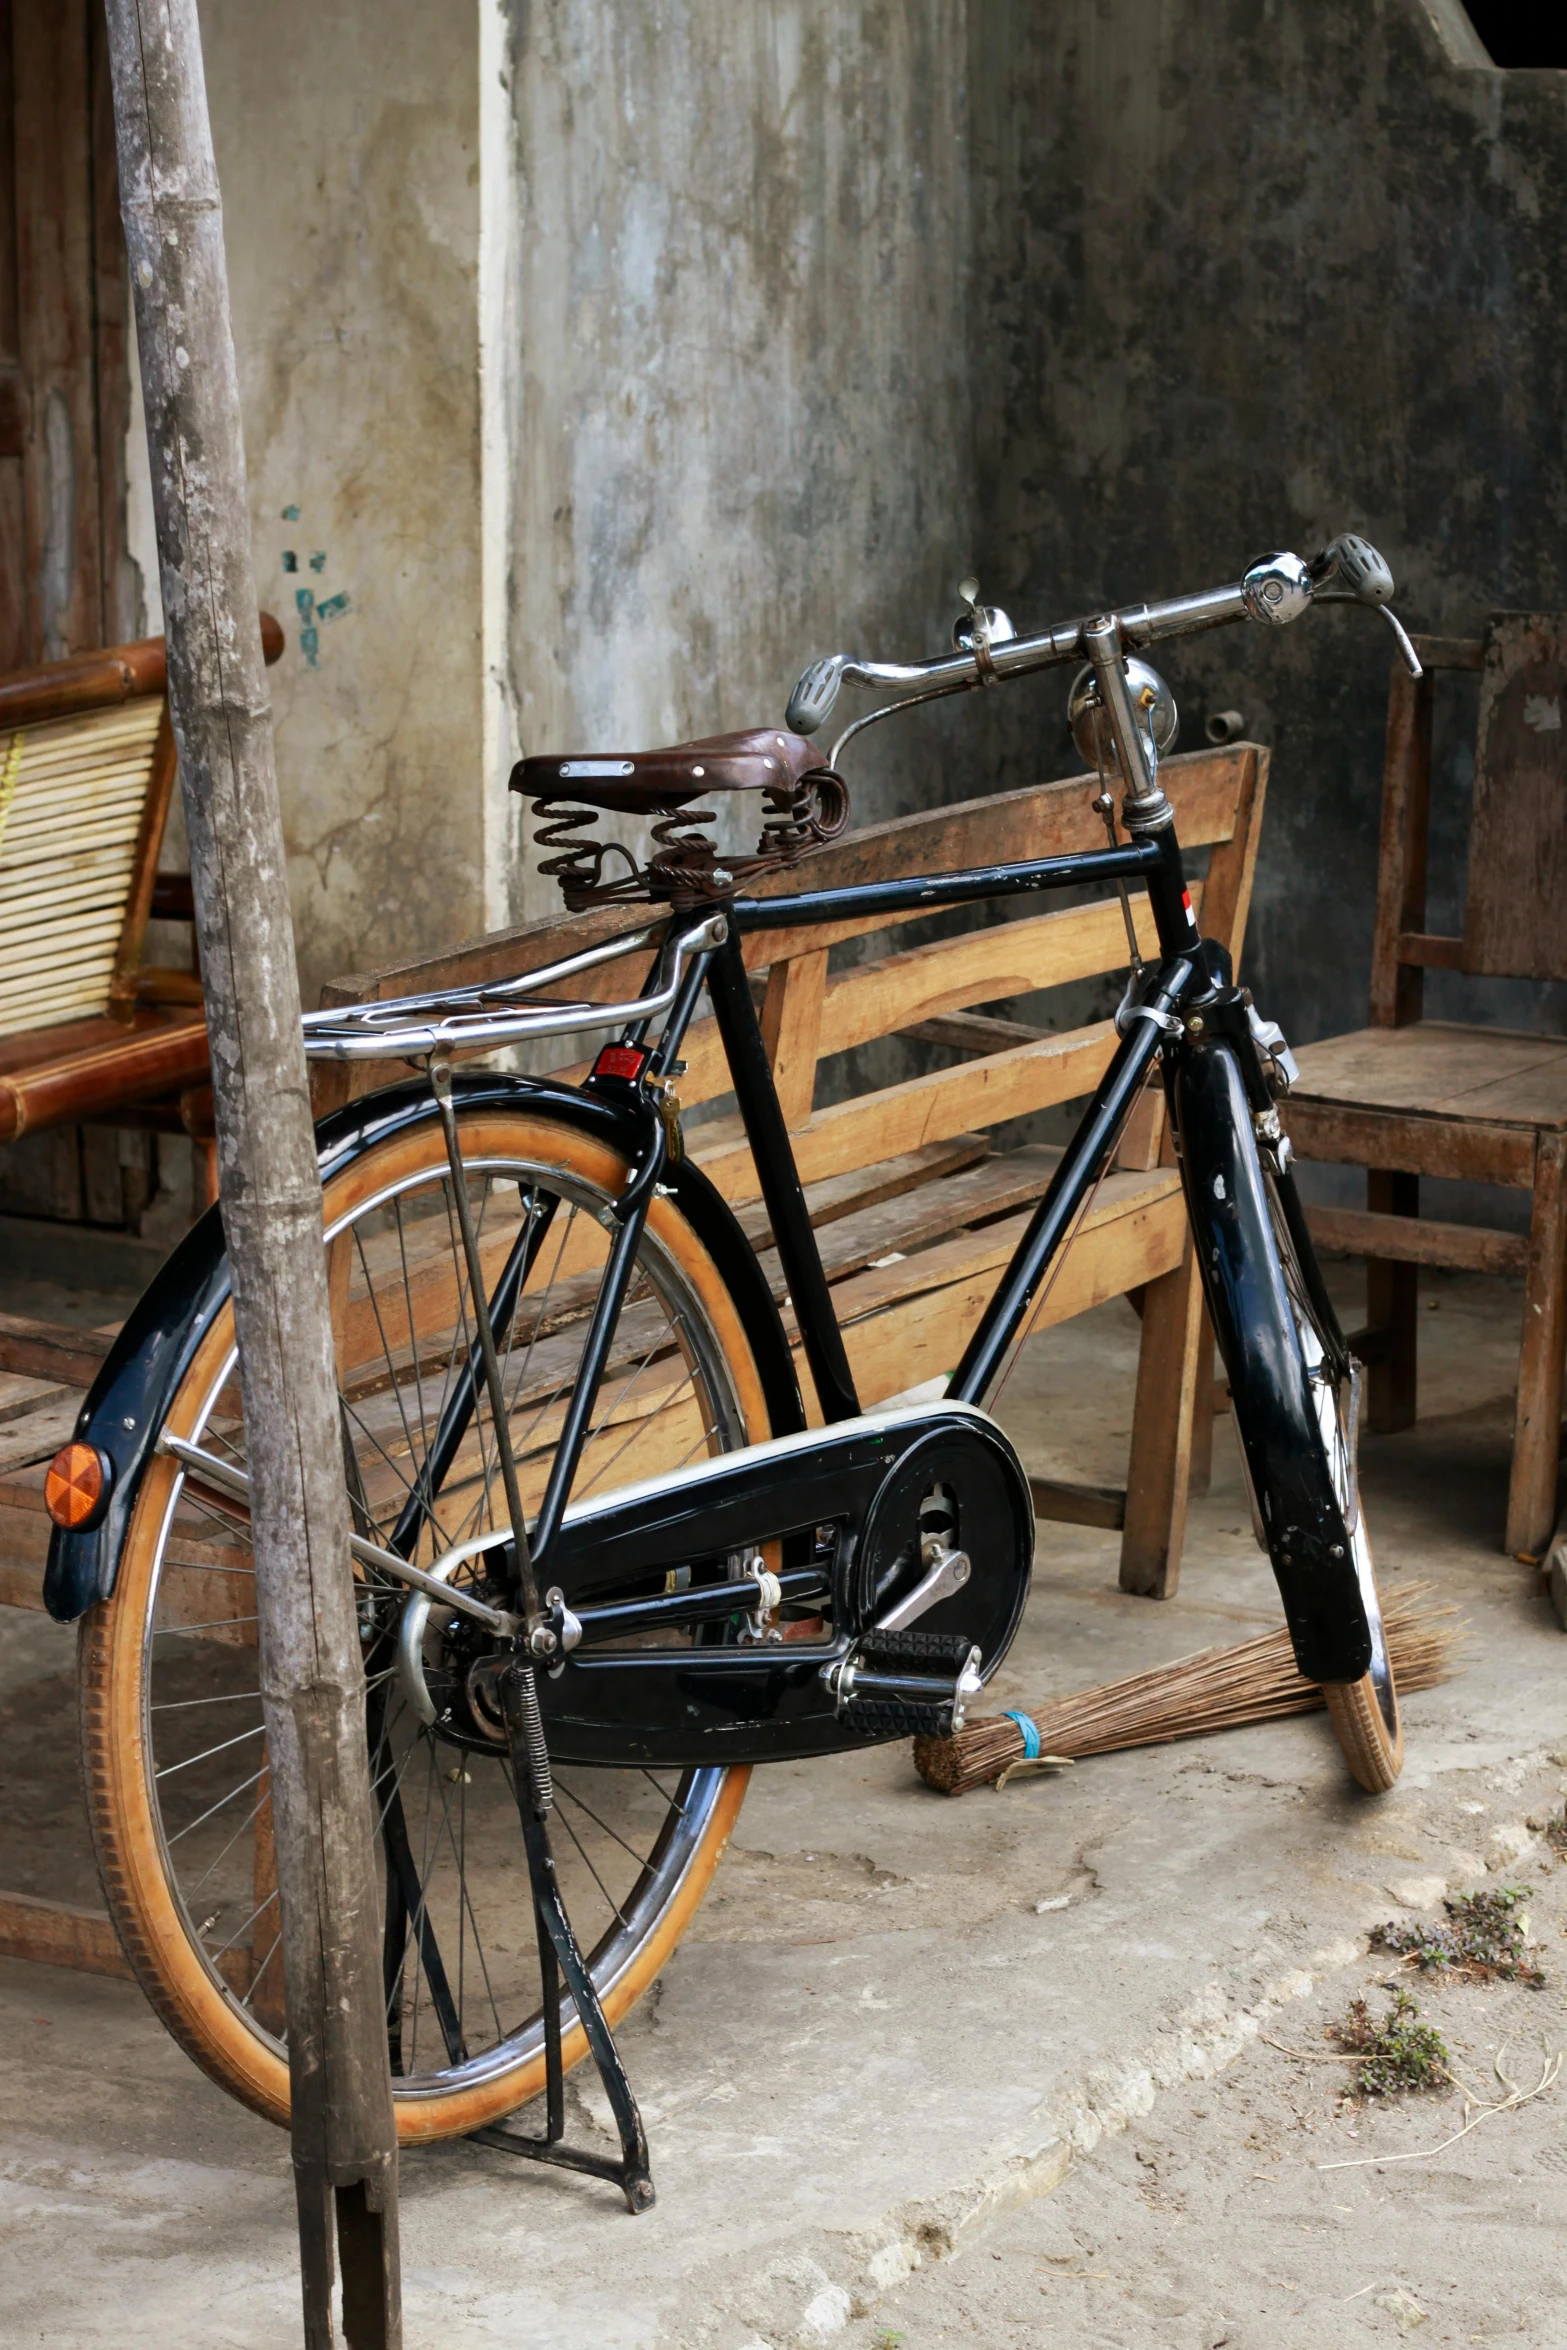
{"points": [[1217, 1689]]}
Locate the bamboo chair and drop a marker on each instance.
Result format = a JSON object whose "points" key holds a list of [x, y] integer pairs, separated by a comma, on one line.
{"points": [[1408, 1097], [87, 1033]]}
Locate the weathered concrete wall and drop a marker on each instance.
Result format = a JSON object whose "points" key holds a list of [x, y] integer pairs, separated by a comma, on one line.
{"points": [[1252, 272], [746, 357], [780, 319], [347, 144]]}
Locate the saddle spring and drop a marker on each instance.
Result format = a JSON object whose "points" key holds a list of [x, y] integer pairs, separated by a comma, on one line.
{"points": [[686, 867]]}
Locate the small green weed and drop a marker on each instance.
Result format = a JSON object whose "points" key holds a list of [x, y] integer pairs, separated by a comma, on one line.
{"points": [[886, 2339], [1398, 2053], [1483, 1939]]}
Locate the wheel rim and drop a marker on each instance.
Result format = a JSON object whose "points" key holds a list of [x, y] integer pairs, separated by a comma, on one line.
{"points": [[1339, 1443], [467, 2013]]}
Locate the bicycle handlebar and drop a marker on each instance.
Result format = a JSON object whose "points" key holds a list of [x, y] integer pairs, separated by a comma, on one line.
{"points": [[1275, 590]]}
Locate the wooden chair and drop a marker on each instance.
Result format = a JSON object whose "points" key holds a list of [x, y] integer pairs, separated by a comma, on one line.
{"points": [[915, 1209], [87, 766], [1408, 1097]]}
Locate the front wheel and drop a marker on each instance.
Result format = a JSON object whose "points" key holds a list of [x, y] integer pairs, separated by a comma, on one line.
{"points": [[1364, 1713], [1295, 1397], [174, 1747]]}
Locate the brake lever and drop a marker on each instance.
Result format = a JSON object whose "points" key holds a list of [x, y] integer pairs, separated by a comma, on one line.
{"points": [[1366, 579], [1411, 658]]}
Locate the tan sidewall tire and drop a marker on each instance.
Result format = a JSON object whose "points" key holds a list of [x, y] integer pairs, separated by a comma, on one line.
{"points": [[150, 1922], [1374, 1758]]}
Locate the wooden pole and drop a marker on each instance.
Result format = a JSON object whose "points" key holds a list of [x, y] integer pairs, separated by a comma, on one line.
{"points": [[344, 2131]]}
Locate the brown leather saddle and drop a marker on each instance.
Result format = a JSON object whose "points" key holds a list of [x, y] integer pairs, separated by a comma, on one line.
{"points": [[802, 802]]}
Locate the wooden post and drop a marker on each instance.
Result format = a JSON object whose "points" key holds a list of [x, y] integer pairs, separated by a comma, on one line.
{"points": [[344, 2131]]}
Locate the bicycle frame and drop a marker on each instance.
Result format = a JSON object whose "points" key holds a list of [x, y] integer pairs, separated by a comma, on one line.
{"points": [[1186, 968]]}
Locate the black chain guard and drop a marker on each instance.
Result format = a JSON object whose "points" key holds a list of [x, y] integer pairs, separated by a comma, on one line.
{"points": [[868, 1479]]}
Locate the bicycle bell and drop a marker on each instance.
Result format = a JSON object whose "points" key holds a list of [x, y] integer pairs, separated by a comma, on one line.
{"points": [[1151, 699], [982, 624]]}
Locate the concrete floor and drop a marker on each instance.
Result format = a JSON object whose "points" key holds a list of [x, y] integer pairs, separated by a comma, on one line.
{"points": [[886, 2037]]}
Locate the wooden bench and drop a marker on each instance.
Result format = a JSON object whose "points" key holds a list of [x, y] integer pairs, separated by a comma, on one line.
{"points": [[916, 1211]]}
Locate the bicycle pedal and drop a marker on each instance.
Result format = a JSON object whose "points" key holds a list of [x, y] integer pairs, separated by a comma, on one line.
{"points": [[880, 1692], [926, 1648]]}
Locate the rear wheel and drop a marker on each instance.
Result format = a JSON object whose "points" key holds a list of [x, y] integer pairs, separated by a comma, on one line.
{"points": [[173, 1738], [1364, 1713]]}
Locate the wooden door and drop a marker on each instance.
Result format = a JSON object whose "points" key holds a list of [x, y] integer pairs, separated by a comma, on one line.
{"points": [[65, 581]]}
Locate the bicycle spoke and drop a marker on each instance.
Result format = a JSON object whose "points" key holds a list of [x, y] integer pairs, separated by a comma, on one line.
{"points": [[673, 1801], [257, 1972], [572, 1797], [386, 1350], [213, 1809], [610, 1902], [190, 1761]]}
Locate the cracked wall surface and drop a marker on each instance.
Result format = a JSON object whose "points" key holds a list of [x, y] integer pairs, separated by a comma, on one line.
{"points": [[1252, 273], [348, 153], [789, 316], [746, 361]]}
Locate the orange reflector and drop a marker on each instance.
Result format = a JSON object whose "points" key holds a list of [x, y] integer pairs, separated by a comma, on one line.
{"points": [[75, 1485]]}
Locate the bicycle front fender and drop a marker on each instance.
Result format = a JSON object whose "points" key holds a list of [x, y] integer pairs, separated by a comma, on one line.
{"points": [[128, 1401], [1243, 1279]]}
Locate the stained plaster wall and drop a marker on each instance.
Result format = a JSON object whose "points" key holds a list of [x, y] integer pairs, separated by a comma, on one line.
{"points": [[764, 325], [742, 411], [820, 305], [347, 142], [1253, 271]]}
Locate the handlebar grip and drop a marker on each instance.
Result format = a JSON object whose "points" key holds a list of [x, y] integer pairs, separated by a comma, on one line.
{"points": [[1353, 565], [815, 692]]}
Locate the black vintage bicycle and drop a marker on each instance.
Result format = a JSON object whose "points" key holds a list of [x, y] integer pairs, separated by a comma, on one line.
{"points": [[602, 1565]]}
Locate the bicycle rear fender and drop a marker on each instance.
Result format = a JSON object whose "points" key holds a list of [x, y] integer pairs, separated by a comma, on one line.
{"points": [[128, 1400], [1244, 1283]]}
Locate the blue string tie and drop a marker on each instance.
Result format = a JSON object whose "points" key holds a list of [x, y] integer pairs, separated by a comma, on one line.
{"points": [[1030, 1734]]}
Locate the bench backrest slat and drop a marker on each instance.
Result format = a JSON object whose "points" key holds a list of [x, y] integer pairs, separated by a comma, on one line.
{"points": [[1210, 788], [808, 1016]]}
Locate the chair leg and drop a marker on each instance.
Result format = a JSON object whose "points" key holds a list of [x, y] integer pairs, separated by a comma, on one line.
{"points": [[1158, 1473], [1392, 1305], [1531, 1495]]}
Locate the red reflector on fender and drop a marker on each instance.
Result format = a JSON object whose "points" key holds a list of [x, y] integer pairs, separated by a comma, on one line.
{"points": [[621, 1060], [75, 1485]]}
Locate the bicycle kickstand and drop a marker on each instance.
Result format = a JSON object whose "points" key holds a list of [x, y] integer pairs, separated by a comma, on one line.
{"points": [[530, 1764], [559, 1955]]}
